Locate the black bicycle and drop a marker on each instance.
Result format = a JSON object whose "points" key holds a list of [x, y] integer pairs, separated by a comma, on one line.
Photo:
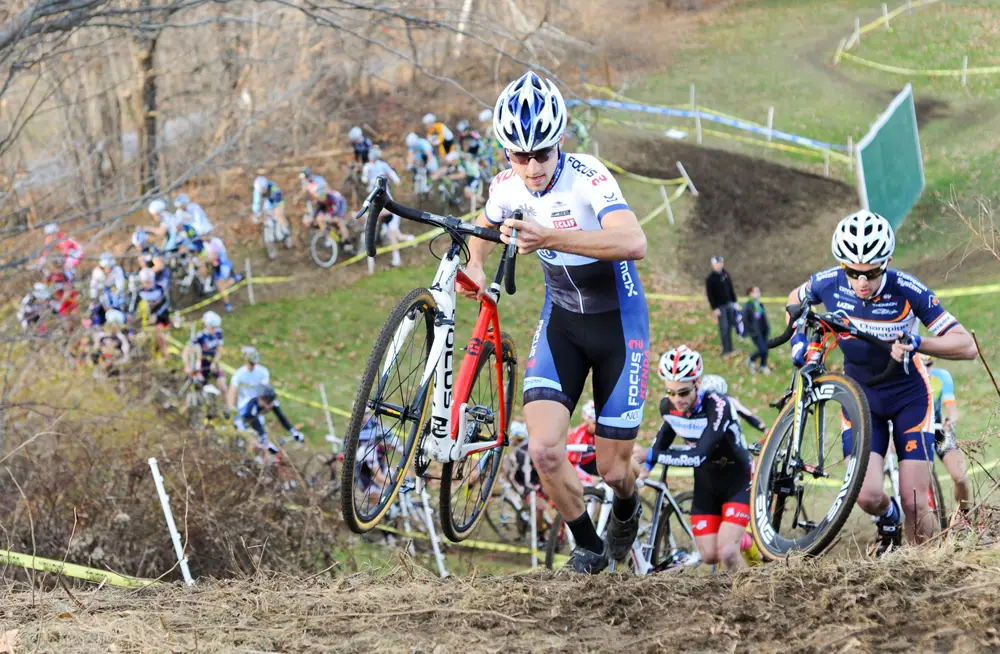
{"points": [[802, 470]]}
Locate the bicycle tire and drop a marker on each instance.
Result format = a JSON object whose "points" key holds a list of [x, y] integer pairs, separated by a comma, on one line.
{"points": [[323, 249], [417, 300], [495, 519], [559, 536], [685, 500], [940, 507], [772, 545], [455, 531]]}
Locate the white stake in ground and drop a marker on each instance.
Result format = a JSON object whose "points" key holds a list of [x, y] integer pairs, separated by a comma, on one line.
{"points": [[885, 16], [965, 67], [526, 471], [168, 514], [687, 178], [826, 162], [429, 521], [326, 412], [850, 154], [666, 203], [697, 116], [249, 283], [770, 123]]}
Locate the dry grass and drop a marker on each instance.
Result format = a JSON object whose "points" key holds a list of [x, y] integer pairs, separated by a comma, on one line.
{"points": [[938, 597]]}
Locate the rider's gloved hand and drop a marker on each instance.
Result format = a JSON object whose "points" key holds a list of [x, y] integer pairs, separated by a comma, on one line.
{"points": [[298, 435], [800, 345]]}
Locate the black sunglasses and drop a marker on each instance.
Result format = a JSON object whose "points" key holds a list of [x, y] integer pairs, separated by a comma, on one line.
{"points": [[684, 392], [522, 158], [868, 275]]}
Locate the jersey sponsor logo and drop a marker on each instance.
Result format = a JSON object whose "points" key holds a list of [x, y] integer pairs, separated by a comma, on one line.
{"points": [[501, 177], [638, 377], [627, 279], [581, 168], [845, 305], [932, 301], [534, 341], [884, 312], [600, 179], [689, 429], [827, 274], [848, 479], [885, 331], [610, 197], [909, 282], [560, 214], [635, 415], [684, 460], [911, 445], [567, 223], [548, 255]]}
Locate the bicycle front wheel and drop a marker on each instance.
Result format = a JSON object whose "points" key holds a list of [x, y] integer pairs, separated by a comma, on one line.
{"points": [[674, 539], [390, 410], [323, 249], [467, 484], [803, 492]]}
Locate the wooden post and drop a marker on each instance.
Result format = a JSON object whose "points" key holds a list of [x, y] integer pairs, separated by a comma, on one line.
{"points": [[885, 16], [666, 201], [770, 122], [249, 283], [965, 68]]}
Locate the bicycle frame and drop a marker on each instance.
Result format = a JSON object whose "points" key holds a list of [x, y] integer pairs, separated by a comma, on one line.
{"points": [[448, 405]]}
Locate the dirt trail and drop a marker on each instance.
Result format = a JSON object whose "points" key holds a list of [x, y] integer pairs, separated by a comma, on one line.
{"points": [[896, 604]]}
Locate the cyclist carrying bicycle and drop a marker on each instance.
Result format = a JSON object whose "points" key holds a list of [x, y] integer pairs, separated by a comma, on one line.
{"points": [[216, 261], [594, 318], [886, 304], [251, 417], [419, 154], [191, 213], [378, 166], [714, 447], [361, 145], [157, 299], [269, 202], [205, 350], [246, 382], [946, 415], [439, 135]]}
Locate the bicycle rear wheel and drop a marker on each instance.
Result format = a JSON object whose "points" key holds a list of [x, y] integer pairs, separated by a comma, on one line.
{"points": [[323, 248], [561, 539], [813, 478], [672, 541], [466, 485], [389, 412], [505, 519]]}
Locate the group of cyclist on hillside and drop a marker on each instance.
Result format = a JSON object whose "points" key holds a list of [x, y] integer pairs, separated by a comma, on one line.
{"points": [[594, 322]]}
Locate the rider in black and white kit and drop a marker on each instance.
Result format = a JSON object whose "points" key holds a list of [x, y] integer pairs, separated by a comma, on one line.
{"points": [[594, 319]]}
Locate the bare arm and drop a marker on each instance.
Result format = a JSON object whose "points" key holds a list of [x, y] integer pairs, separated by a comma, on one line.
{"points": [[479, 249], [619, 239], [231, 393], [956, 344], [951, 412]]}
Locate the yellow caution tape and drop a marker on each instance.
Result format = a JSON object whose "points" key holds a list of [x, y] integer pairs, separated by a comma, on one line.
{"points": [[210, 300], [71, 570], [663, 207], [426, 236], [640, 178], [880, 22], [899, 70]]}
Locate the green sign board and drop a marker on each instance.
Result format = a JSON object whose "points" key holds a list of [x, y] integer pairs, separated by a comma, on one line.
{"points": [[890, 169]]}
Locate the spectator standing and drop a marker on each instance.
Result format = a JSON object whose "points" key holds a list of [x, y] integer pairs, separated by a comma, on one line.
{"points": [[759, 329], [722, 298]]}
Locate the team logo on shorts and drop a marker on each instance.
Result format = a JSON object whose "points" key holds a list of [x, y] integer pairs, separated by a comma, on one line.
{"points": [[911, 445]]}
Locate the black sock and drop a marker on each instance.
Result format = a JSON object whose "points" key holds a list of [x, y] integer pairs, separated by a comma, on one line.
{"points": [[585, 533], [624, 508]]}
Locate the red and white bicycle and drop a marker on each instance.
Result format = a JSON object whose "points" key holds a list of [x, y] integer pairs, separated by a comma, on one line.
{"points": [[411, 408]]}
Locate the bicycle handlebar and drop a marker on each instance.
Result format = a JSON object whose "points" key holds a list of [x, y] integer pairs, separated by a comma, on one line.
{"points": [[379, 200], [840, 324]]}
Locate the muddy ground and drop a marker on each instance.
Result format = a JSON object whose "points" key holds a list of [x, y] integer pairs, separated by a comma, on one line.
{"points": [[938, 599]]}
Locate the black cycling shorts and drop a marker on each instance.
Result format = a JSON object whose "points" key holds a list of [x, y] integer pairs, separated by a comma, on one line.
{"points": [[716, 485], [568, 346]]}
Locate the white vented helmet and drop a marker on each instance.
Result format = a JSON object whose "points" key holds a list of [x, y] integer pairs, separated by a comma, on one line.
{"points": [[529, 115], [714, 383], [863, 237], [212, 319], [156, 207], [260, 184], [452, 157], [375, 153], [680, 364], [518, 429], [41, 291], [107, 260], [355, 134], [114, 317], [182, 201], [51, 228], [147, 275], [486, 115], [429, 119], [411, 140]]}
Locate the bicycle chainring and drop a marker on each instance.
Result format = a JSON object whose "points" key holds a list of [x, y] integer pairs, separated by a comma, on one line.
{"points": [[421, 462]]}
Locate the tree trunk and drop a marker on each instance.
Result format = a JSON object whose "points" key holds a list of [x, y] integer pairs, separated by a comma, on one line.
{"points": [[147, 128]]}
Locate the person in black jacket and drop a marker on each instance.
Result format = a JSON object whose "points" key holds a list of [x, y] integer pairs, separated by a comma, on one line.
{"points": [[722, 298], [755, 319]]}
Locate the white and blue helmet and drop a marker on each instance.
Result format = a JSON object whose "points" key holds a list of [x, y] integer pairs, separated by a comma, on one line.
{"points": [[529, 115]]}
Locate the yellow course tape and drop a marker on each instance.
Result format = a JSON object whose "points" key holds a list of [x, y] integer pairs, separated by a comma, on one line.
{"points": [[71, 570], [426, 236], [210, 300], [663, 207], [880, 22], [640, 178], [989, 70]]}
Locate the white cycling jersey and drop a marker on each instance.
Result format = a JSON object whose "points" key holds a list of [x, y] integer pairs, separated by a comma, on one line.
{"points": [[195, 216], [581, 193], [248, 382], [371, 171]]}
